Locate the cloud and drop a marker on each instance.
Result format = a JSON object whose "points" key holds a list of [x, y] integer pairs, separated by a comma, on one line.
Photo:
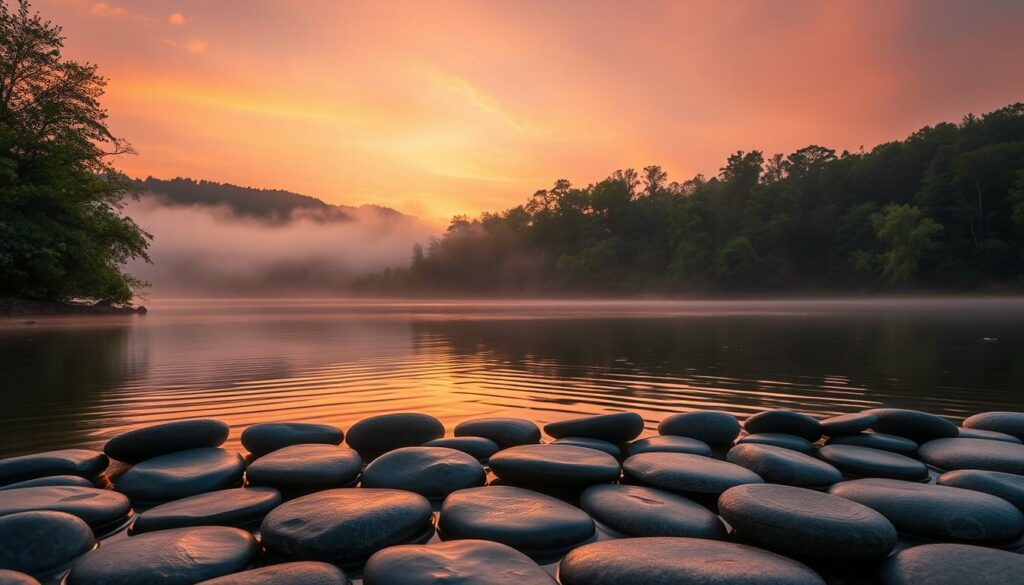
{"points": [[177, 19], [104, 9], [194, 46]]}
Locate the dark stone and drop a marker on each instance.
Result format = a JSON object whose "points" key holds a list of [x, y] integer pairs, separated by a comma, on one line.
{"points": [[615, 428], [784, 466], [713, 427], [937, 512], [807, 524], [78, 462], [432, 472], [153, 441], [264, 438], [915, 425], [380, 434], [953, 564], [16, 578], [1011, 423], [560, 465], [50, 481], [596, 444], [298, 573], [479, 447], [167, 557], [880, 441], [687, 474], [866, 462], [641, 511], [527, 521], [40, 543], [460, 562], [505, 432], [679, 561], [345, 526], [302, 469], [182, 474], [784, 421], [239, 507], [784, 440], [950, 454], [100, 509], [670, 444], [966, 433], [1008, 486], [848, 424]]}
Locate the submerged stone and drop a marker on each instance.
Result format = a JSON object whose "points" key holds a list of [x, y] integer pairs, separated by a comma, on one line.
{"points": [[478, 447], [670, 444], [966, 433], [866, 462], [784, 440], [713, 427], [298, 573], [784, 421], [50, 481], [687, 474], [1011, 423], [100, 509], [784, 466], [263, 438], [432, 472], [952, 564], [641, 511], [615, 428], [880, 441], [238, 507], [305, 468], [505, 432], [554, 465], [1008, 486], [153, 441], [915, 425], [950, 454], [40, 543], [848, 424], [460, 562], [379, 434], [596, 444], [78, 462], [182, 474], [16, 578]]}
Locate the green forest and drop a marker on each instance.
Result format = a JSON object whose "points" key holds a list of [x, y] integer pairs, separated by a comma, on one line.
{"points": [[942, 210]]}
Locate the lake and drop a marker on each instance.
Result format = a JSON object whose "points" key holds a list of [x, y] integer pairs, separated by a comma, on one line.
{"points": [[78, 381]]}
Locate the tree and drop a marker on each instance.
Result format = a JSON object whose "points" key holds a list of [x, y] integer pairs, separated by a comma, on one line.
{"points": [[907, 235], [62, 233]]}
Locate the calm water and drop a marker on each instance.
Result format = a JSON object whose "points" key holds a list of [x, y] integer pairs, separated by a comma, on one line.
{"points": [[79, 381]]}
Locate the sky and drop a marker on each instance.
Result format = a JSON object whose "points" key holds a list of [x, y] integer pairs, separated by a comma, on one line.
{"points": [[442, 108]]}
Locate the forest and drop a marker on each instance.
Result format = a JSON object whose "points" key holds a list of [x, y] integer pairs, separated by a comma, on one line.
{"points": [[942, 210]]}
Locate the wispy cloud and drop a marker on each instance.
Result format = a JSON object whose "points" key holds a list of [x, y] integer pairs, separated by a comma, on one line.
{"points": [[177, 19], [104, 9], [194, 46]]}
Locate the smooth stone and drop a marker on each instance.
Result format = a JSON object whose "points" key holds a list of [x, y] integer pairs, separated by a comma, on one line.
{"points": [[532, 523], [866, 462], [966, 433], [808, 524], [670, 444], [641, 511], [167, 557], [679, 561], [953, 564], [263, 438], [459, 562], [620, 427], [238, 507], [880, 441], [345, 526], [558, 465], [39, 543], [182, 474], [951, 454], [1008, 486], [714, 427], [784, 440], [505, 432], [297, 573], [686, 474], [937, 512], [379, 434], [16, 578], [480, 448], [1011, 423], [915, 425], [306, 468], [153, 441], [78, 462], [848, 424], [51, 480], [784, 421], [596, 444], [784, 466], [432, 472], [100, 509]]}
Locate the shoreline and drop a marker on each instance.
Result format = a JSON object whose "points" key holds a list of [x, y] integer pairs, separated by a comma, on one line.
{"points": [[12, 307]]}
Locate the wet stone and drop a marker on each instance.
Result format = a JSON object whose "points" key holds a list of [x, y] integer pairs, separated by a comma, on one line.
{"points": [[784, 466], [808, 524], [784, 440], [478, 447], [300, 469], [784, 421], [952, 564], [102, 510], [263, 438], [40, 543], [238, 507], [596, 444], [966, 433], [182, 474], [880, 441], [50, 481], [1011, 423], [688, 475], [558, 465], [298, 573], [915, 425], [505, 432], [432, 472], [670, 444], [617, 428], [182, 555], [16, 578], [951, 454], [466, 562], [78, 462], [848, 424], [712, 427], [379, 434], [153, 441], [641, 511], [865, 462], [345, 526], [1008, 486]]}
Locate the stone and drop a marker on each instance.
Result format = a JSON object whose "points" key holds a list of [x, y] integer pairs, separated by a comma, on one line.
{"points": [[1011, 423], [459, 562], [182, 474], [554, 465], [300, 469], [166, 557], [432, 472], [880, 441], [505, 432], [50, 481], [16, 578], [915, 425], [345, 526], [238, 507], [936, 512], [1008, 486], [153, 441], [784, 466], [848, 424], [679, 561], [950, 454], [480, 448], [713, 427], [42, 542], [78, 462], [807, 524], [641, 511], [379, 434], [784, 421], [784, 440], [866, 462], [596, 444], [966, 433], [297, 573], [686, 474], [102, 510], [620, 427], [260, 439], [952, 564], [670, 444], [532, 523]]}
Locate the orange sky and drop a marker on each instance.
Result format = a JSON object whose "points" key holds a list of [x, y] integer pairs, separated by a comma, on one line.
{"points": [[437, 108]]}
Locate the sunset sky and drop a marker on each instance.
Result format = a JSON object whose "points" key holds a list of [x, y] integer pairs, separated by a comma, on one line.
{"points": [[460, 107]]}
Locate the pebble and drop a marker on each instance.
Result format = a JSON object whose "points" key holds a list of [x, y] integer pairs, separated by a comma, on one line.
{"points": [[915, 425], [641, 511], [670, 444], [39, 543], [505, 432], [100, 509], [880, 441], [784, 421], [379, 434], [1011, 423], [153, 441], [966, 433], [848, 424], [950, 454], [953, 564], [620, 427], [478, 447], [238, 507], [784, 440], [78, 462], [16, 578], [50, 481], [182, 474], [432, 472], [298, 573], [260, 439], [784, 466], [596, 444], [459, 562], [686, 474], [714, 427], [866, 462], [554, 465], [301, 469], [1008, 486]]}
